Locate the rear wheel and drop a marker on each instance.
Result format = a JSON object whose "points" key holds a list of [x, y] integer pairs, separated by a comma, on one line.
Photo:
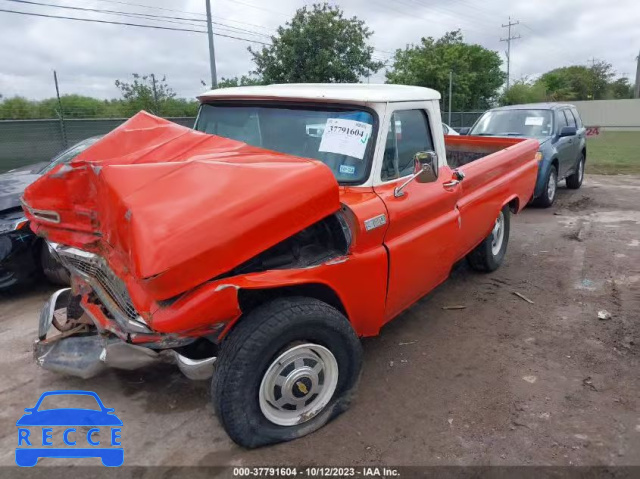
{"points": [[575, 181], [489, 255], [548, 196], [284, 371]]}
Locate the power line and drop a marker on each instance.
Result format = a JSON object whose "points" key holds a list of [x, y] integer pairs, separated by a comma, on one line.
{"points": [[157, 27], [260, 8], [560, 54], [153, 7], [145, 16], [509, 39]]}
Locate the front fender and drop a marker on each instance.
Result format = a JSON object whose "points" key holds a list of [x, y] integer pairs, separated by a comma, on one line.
{"points": [[549, 155], [216, 302]]}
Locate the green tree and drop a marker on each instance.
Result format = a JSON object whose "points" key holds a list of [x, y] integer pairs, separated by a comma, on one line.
{"points": [[317, 45], [620, 89], [244, 80], [18, 108], [578, 82], [146, 92], [524, 91], [73, 106], [476, 70]]}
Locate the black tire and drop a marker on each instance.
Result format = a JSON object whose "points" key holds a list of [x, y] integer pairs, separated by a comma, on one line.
{"points": [[52, 269], [575, 181], [253, 345], [546, 199], [482, 257]]}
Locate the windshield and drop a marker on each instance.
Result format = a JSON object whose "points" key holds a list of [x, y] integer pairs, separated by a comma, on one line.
{"points": [[527, 123], [69, 154], [339, 137]]}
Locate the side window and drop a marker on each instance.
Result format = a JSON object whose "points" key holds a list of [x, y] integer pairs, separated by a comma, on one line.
{"points": [[561, 120], [570, 119], [576, 115], [408, 134]]}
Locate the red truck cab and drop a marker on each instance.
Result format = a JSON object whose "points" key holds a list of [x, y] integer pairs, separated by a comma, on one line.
{"points": [[293, 220]]}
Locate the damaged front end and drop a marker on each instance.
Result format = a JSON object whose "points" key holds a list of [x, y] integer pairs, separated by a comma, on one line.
{"points": [[80, 350], [84, 349], [155, 272]]}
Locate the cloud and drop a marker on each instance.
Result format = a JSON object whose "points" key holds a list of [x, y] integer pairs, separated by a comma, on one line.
{"points": [[89, 57]]}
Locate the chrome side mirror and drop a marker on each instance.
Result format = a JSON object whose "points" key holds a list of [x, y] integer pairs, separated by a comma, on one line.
{"points": [[426, 171], [426, 166]]}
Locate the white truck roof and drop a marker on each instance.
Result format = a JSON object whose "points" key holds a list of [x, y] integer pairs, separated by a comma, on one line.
{"points": [[343, 92]]}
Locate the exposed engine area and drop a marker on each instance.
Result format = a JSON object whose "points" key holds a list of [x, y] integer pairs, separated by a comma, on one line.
{"points": [[320, 242]]}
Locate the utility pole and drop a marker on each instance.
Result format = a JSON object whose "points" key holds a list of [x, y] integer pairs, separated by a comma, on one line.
{"points": [[155, 95], [636, 90], [508, 40], [212, 52], [593, 61], [450, 94], [63, 132]]}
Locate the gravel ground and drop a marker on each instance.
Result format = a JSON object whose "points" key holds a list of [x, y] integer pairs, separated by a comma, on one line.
{"points": [[502, 382]]}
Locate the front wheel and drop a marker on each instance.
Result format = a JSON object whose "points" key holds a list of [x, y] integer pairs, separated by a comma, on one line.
{"points": [[284, 371], [489, 255], [548, 195], [575, 181]]}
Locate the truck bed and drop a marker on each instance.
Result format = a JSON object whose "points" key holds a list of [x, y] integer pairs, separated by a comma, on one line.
{"points": [[462, 150]]}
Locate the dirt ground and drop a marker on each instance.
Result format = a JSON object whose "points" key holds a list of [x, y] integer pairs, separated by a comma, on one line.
{"points": [[500, 382]]}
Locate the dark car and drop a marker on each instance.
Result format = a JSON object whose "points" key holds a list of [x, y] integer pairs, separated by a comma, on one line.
{"points": [[24, 256], [562, 136]]}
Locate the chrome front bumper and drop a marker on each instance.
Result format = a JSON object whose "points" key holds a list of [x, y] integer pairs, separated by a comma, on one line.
{"points": [[88, 354]]}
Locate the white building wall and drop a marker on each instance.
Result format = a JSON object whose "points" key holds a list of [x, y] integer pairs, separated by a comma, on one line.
{"points": [[618, 115]]}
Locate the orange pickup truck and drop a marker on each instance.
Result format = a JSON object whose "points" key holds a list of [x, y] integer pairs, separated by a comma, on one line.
{"points": [[260, 246]]}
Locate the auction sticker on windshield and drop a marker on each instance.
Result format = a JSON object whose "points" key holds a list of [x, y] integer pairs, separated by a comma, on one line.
{"points": [[534, 121], [345, 137]]}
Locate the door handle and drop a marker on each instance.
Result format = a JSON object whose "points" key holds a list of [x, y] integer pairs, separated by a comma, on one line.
{"points": [[458, 175]]}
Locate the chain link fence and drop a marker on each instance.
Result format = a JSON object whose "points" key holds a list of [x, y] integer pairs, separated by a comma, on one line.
{"points": [[461, 119], [23, 142]]}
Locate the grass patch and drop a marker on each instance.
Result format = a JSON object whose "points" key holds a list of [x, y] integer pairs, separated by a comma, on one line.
{"points": [[614, 152]]}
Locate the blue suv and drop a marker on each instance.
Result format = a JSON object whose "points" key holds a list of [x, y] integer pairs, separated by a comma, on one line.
{"points": [[562, 136]]}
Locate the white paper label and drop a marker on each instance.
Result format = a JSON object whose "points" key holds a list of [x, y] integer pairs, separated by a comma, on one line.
{"points": [[534, 121], [345, 137]]}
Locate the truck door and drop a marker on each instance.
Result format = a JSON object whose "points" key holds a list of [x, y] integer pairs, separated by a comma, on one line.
{"points": [[423, 221]]}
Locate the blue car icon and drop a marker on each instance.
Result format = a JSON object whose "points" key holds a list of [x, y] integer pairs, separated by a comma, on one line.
{"points": [[66, 417]]}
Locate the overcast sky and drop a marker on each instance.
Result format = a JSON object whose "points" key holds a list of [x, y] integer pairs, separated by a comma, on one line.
{"points": [[90, 56]]}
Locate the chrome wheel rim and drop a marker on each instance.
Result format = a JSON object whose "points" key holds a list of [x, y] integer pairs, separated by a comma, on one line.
{"points": [[552, 185], [497, 235], [298, 384]]}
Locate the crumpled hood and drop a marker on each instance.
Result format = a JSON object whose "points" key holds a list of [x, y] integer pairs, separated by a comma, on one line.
{"points": [[175, 207]]}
